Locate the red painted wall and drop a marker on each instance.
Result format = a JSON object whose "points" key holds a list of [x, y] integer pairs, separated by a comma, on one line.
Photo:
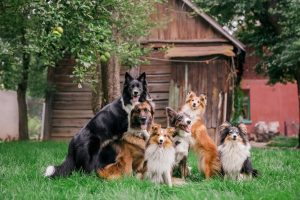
{"points": [[273, 103]]}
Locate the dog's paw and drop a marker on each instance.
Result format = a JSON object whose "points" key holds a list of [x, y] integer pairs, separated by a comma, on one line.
{"points": [[49, 171]]}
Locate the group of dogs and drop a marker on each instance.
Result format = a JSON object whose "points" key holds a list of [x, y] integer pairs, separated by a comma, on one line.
{"points": [[123, 139]]}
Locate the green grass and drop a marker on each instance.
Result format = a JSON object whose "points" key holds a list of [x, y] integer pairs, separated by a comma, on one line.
{"points": [[282, 141], [23, 163]]}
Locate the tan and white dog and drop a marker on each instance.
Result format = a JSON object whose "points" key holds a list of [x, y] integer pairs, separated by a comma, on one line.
{"points": [[159, 155]]}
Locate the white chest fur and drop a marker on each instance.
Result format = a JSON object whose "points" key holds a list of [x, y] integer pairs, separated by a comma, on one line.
{"points": [[193, 114], [233, 155], [159, 161], [182, 148]]}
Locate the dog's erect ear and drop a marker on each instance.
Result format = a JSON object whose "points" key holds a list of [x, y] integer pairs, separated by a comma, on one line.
{"points": [[155, 128], [170, 131], [171, 115], [128, 78], [142, 78], [243, 128], [152, 105], [190, 95], [203, 98], [223, 127]]}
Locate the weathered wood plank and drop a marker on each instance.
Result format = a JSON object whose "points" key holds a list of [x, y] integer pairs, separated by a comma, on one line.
{"points": [[71, 114], [72, 87], [72, 105], [69, 122], [72, 96]]}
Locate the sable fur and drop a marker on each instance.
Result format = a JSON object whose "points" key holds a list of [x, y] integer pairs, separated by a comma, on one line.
{"points": [[194, 105], [182, 139], [131, 157], [203, 145], [159, 156], [87, 151], [235, 152]]}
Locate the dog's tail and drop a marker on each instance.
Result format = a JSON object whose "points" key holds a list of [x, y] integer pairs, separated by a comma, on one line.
{"points": [[66, 168]]}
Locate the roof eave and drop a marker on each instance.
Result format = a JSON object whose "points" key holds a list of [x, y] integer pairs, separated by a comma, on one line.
{"points": [[216, 25]]}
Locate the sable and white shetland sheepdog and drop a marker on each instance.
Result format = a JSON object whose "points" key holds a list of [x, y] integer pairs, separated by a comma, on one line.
{"points": [[194, 105], [235, 152], [182, 139], [205, 148], [159, 155], [133, 144]]}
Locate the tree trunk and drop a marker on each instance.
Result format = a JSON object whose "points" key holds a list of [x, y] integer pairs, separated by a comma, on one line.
{"points": [[298, 85], [113, 78], [21, 96], [97, 94]]}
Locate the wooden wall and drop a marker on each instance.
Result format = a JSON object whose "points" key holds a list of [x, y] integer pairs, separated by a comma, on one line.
{"points": [[158, 77], [178, 22], [69, 107], [210, 78]]}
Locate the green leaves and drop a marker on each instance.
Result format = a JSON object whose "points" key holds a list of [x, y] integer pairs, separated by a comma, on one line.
{"points": [[48, 30], [272, 27]]}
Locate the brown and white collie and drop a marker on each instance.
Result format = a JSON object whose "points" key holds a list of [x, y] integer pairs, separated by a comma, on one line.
{"points": [[133, 144], [159, 155], [203, 145]]}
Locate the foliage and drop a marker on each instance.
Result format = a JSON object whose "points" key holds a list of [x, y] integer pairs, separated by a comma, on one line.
{"points": [[282, 141], [237, 105], [47, 30], [21, 178], [34, 126], [271, 26]]}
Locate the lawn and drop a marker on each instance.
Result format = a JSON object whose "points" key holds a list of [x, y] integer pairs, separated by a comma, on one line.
{"points": [[23, 163]]}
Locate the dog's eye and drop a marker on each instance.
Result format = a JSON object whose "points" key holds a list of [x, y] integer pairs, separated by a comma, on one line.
{"points": [[198, 101]]}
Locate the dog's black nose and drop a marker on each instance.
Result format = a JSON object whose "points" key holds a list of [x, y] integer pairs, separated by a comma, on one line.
{"points": [[135, 93], [160, 141], [194, 104], [234, 137], [189, 122]]}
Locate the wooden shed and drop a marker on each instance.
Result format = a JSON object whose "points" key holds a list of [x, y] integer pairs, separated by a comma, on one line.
{"points": [[191, 51]]}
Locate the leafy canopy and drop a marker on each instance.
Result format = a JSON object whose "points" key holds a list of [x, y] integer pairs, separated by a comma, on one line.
{"points": [[271, 26], [48, 30]]}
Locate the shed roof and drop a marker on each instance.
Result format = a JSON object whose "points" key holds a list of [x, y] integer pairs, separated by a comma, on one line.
{"points": [[215, 25]]}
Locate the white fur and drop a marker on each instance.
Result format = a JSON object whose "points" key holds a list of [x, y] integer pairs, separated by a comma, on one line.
{"points": [[182, 149], [160, 162], [49, 171], [233, 155], [138, 132], [193, 114]]}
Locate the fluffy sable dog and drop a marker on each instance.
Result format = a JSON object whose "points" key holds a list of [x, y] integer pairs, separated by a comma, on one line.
{"points": [[131, 156], [205, 148], [85, 152], [195, 105], [235, 152], [182, 139], [159, 155]]}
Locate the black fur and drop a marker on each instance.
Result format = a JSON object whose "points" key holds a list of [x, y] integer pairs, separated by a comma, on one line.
{"points": [[111, 122], [248, 169]]}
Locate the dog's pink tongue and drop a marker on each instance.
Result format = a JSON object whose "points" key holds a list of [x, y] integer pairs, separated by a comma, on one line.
{"points": [[144, 127], [135, 99]]}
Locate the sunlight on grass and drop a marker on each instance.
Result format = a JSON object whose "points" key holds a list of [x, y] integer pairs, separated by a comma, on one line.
{"points": [[22, 165], [282, 141]]}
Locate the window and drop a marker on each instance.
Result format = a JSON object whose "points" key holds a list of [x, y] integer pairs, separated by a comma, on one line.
{"points": [[246, 107]]}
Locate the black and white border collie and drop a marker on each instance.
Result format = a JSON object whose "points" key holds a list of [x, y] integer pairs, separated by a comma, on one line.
{"points": [[85, 150], [234, 152]]}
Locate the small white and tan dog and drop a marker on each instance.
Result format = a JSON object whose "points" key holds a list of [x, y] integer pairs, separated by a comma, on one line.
{"points": [[159, 155]]}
